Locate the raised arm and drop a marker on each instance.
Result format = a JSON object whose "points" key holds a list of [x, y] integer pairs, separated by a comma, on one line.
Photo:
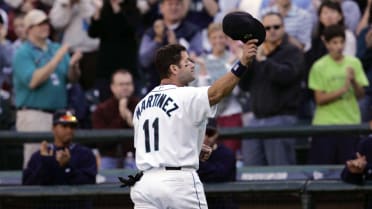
{"points": [[223, 86], [211, 6], [40, 75]]}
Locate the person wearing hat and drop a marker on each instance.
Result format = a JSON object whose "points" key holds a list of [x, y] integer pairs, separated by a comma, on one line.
{"points": [[274, 83], [41, 70], [62, 162]]}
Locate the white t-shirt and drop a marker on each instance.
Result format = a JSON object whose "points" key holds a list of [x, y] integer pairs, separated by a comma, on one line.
{"points": [[169, 126]]}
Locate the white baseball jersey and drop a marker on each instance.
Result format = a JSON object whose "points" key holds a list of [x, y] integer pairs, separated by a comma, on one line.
{"points": [[169, 126]]}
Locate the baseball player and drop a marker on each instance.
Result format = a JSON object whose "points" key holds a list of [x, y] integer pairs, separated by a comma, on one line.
{"points": [[169, 127]]}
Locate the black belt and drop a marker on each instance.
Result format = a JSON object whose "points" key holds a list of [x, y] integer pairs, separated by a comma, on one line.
{"points": [[38, 109], [173, 168]]}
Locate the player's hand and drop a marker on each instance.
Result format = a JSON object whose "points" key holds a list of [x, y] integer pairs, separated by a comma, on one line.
{"points": [[205, 153], [357, 165], [249, 52], [44, 150], [63, 157]]}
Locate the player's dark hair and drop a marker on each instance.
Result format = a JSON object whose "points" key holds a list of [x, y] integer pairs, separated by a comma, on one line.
{"points": [[333, 31], [119, 71], [166, 56]]}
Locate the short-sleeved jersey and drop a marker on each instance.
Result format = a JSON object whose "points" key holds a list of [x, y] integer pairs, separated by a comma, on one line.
{"points": [[327, 75], [169, 126]]}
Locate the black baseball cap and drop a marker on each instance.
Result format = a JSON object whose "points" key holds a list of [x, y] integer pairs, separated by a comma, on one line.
{"points": [[243, 26], [65, 117]]}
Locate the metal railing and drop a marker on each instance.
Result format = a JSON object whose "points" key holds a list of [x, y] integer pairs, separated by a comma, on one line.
{"points": [[94, 136], [303, 193]]}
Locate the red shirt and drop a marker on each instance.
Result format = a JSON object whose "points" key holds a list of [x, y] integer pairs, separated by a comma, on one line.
{"points": [[107, 116]]}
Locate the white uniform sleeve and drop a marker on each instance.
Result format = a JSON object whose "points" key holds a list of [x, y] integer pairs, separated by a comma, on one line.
{"points": [[135, 122], [197, 104]]}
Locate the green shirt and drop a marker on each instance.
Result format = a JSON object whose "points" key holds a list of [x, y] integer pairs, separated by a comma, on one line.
{"points": [[328, 76]]}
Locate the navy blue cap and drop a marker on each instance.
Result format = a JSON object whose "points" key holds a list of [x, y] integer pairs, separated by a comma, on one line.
{"points": [[243, 26]]}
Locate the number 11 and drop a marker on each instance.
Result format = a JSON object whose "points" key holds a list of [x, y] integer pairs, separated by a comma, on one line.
{"points": [[155, 126]]}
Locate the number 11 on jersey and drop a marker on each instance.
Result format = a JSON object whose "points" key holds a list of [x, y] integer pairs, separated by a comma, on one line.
{"points": [[146, 129]]}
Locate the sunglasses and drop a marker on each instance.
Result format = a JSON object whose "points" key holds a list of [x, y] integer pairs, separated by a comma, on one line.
{"points": [[275, 27]]}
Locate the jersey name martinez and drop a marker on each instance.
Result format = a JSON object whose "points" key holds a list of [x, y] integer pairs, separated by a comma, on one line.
{"points": [[162, 101]]}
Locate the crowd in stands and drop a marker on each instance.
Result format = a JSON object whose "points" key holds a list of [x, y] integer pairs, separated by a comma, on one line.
{"points": [[95, 57]]}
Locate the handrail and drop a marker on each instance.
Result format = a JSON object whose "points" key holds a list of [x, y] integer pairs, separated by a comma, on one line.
{"points": [[94, 136], [294, 172], [297, 186], [304, 190]]}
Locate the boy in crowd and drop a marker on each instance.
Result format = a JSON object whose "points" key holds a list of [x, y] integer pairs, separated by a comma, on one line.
{"points": [[337, 81]]}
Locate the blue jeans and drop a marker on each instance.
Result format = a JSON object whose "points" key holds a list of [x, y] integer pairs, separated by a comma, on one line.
{"points": [[270, 151]]}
